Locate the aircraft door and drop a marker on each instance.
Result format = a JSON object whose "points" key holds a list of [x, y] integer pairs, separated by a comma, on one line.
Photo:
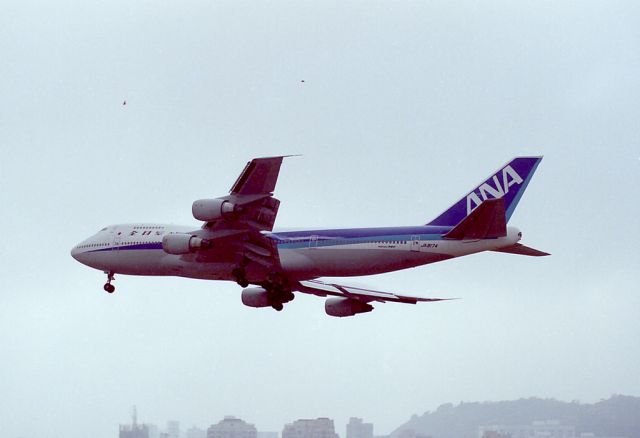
{"points": [[415, 243], [313, 241]]}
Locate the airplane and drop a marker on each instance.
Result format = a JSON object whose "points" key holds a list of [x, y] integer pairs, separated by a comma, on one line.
{"points": [[236, 242]]}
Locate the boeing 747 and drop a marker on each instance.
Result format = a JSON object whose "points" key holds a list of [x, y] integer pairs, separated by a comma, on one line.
{"points": [[236, 242]]}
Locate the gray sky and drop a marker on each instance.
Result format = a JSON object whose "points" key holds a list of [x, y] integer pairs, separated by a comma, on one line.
{"points": [[405, 106]]}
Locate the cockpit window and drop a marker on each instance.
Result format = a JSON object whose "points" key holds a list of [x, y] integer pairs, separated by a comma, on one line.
{"points": [[104, 229]]}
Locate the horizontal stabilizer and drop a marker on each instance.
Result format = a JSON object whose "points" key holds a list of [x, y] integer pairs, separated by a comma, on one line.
{"points": [[488, 221], [521, 249]]}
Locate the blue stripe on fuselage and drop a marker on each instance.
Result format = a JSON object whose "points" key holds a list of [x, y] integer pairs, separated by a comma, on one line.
{"points": [[343, 236], [301, 239], [125, 247]]}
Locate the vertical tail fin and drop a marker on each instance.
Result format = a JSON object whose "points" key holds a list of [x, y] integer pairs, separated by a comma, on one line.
{"points": [[508, 183]]}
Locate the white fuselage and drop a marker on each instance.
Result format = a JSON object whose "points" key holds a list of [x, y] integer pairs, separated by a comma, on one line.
{"points": [[136, 249]]}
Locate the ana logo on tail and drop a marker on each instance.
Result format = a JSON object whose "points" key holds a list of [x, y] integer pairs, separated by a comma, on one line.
{"points": [[486, 191]]}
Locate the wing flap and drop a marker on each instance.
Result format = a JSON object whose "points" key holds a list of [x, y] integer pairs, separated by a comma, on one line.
{"points": [[257, 249], [317, 287], [485, 222], [265, 262]]}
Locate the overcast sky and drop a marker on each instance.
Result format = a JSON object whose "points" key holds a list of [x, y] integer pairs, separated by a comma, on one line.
{"points": [[405, 106]]}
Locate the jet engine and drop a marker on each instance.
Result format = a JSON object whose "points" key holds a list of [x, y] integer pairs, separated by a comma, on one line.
{"points": [[255, 297], [345, 307], [211, 209], [182, 243]]}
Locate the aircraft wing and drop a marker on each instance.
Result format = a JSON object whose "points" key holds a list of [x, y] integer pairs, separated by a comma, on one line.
{"points": [[320, 288], [254, 210], [252, 194], [258, 177]]}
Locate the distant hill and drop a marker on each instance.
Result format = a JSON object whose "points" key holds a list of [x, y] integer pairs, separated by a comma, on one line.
{"points": [[619, 416]]}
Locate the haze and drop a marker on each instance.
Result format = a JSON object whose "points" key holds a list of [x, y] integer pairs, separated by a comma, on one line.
{"points": [[404, 107]]}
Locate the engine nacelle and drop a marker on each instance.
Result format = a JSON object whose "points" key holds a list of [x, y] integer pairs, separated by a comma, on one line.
{"points": [[345, 307], [211, 209], [255, 297], [182, 243]]}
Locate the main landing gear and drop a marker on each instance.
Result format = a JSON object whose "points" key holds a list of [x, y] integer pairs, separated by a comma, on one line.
{"points": [[108, 286], [241, 276], [273, 292], [279, 291], [279, 297]]}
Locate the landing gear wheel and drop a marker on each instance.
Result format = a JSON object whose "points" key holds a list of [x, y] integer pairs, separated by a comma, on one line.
{"points": [[108, 286], [277, 306], [240, 276]]}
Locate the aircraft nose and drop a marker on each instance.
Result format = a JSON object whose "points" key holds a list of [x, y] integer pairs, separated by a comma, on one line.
{"points": [[74, 252], [78, 253]]}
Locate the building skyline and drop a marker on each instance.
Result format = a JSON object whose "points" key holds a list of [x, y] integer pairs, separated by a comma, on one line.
{"points": [[310, 428], [195, 432], [133, 430], [356, 428], [232, 427], [537, 429], [173, 429]]}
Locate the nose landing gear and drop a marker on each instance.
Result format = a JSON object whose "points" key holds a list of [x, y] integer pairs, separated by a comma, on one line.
{"points": [[108, 286]]}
